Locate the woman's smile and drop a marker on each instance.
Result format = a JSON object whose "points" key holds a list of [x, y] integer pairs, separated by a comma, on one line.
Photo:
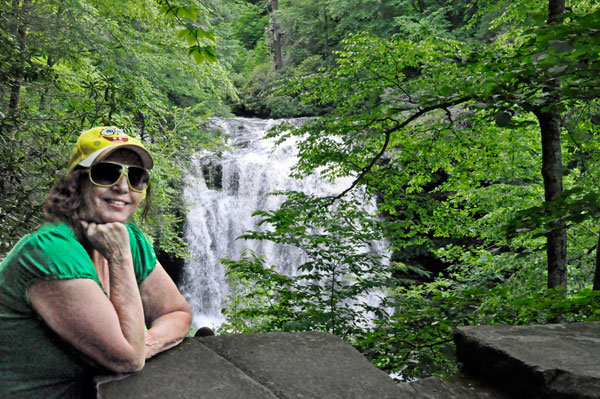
{"points": [[119, 203]]}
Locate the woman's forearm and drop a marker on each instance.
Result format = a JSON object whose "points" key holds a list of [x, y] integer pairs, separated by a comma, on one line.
{"points": [[166, 332], [111, 240], [167, 313], [125, 297]]}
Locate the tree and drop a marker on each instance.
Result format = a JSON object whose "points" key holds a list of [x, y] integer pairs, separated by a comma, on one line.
{"points": [[19, 11], [339, 271], [552, 99], [552, 168]]}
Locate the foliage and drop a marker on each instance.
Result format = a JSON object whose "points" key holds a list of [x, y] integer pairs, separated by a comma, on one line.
{"points": [[200, 39], [250, 26], [259, 96], [391, 130], [316, 30]]}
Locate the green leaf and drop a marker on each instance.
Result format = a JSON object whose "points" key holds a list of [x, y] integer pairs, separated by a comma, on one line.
{"points": [[191, 37], [183, 33], [187, 13]]}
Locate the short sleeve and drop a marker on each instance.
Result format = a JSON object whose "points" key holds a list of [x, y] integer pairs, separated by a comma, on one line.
{"points": [[144, 258], [51, 253]]}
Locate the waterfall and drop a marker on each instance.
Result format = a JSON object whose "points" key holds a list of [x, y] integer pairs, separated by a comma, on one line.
{"points": [[222, 191]]}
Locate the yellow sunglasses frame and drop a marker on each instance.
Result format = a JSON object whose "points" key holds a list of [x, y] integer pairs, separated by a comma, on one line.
{"points": [[124, 171]]}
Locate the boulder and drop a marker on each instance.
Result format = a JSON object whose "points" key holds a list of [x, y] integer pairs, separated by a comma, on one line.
{"points": [[189, 370], [538, 361]]}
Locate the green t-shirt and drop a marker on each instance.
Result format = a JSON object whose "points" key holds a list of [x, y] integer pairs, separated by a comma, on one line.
{"points": [[34, 361]]}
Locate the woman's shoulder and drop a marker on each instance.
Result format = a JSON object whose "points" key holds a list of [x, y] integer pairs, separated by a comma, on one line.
{"points": [[51, 243], [61, 230], [49, 236], [51, 252]]}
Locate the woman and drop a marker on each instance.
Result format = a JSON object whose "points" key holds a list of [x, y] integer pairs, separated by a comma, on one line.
{"points": [[77, 295]]}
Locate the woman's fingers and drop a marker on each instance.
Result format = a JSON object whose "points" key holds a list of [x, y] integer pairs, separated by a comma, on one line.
{"points": [[110, 239]]}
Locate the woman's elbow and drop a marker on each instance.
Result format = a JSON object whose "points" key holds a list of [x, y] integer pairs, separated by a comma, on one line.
{"points": [[126, 364], [184, 313], [136, 366], [128, 367], [188, 314]]}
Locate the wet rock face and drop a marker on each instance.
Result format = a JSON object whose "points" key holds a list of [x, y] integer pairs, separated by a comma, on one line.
{"points": [[173, 265], [545, 361], [212, 170]]}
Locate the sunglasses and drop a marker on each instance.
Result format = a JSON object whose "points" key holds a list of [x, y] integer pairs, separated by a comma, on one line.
{"points": [[107, 174]]}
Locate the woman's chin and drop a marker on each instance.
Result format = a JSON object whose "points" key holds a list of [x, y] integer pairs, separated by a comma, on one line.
{"points": [[114, 219], [105, 218]]}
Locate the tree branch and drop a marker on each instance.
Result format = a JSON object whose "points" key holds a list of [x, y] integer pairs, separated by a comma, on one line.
{"points": [[367, 169]]}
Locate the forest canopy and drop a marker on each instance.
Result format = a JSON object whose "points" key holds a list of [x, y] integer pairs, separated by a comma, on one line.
{"points": [[473, 124]]}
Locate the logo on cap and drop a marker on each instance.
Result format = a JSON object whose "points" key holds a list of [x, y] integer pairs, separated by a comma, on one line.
{"points": [[114, 134]]}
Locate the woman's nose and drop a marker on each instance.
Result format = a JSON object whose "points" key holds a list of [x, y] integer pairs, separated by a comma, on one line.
{"points": [[122, 184]]}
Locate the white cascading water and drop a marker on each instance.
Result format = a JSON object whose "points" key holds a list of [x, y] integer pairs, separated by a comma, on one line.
{"points": [[220, 211]]}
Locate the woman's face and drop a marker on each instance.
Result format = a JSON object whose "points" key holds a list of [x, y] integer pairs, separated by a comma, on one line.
{"points": [[111, 204]]}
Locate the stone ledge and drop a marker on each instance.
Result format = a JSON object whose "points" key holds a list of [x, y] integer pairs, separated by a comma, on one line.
{"points": [[189, 370], [248, 366], [542, 361]]}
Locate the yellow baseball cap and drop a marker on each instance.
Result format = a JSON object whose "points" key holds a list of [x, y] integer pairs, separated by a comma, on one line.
{"points": [[96, 144]]}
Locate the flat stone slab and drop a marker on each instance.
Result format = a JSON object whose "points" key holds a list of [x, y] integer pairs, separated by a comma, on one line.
{"points": [[190, 370], [268, 365], [538, 361], [305, 365], [436, 388]]}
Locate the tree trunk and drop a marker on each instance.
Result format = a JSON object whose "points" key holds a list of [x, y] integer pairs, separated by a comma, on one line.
{"points": [[552, 168], [552, 173], [326, 47], [596, 286], [277, 60], [556, 9], [20, 13]]}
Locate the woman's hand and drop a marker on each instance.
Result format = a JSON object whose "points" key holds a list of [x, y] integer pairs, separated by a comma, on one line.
{"points": [[153, 345], [111, 240]]}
